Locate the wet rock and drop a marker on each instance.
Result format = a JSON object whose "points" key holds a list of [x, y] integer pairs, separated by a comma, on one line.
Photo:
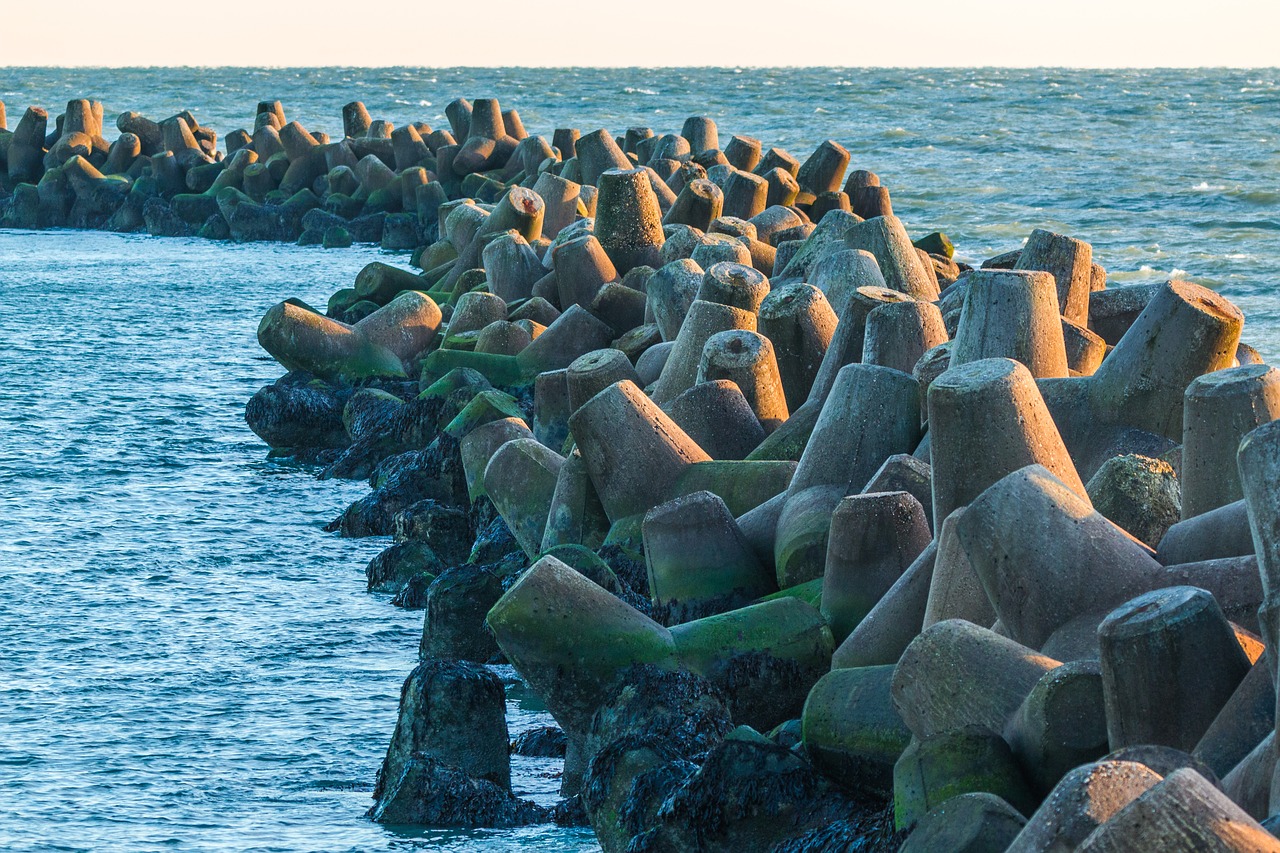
{"points": [[413, 595], [397, 566], [432, 793], [749, 794], [297, 411], [1139, 494], [542, 742], [641, 743], [457, 603], [445, 528]]}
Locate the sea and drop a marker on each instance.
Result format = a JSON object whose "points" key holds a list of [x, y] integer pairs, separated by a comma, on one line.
{"points": [[188, 662]]}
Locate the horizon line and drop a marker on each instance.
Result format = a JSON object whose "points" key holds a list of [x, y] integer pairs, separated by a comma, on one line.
{"points": [[91, 66]]}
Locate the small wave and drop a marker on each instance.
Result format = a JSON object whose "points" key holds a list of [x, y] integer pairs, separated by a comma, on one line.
{"points": [[1177, 273], [632, 90], [820, 110], [1205, 186]]}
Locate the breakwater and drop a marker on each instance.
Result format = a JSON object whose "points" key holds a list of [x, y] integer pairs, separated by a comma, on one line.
{"points": [[806, 534]]}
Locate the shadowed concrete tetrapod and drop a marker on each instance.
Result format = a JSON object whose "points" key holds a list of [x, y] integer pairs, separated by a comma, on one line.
{"points": [[799, 321], [521, 481], [1045, 556], [718, 418], [841, 273], [576, 516], [977, 822], [1259, 465], [1219, 409], [671, 290], [874, 538], [899, 333], [699, 563], [956, 590], [885, 632], [571, 640], [703, 320], [957, 674], [1060, 725], [851, 730], [765, 657], [1170, 661], [1011, 314], [992, 404], [634, 452]]}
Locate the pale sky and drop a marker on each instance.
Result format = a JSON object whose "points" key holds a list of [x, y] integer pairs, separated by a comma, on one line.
{"points": [[1080, 33]]}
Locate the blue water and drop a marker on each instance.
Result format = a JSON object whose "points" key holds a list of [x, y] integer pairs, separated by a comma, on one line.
{"points": [[188, 662]]}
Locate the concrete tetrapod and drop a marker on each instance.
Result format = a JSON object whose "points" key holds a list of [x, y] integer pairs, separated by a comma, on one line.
{"points": [[1218, 533], [570, 640], [900, 264], [993, 404], [874, 538], [969, 823], [301, 338], [765, 657], [847, 343], [1170, 662], [1219, 409], [628, 219], [521, 481], [900, 333], [1083, 800], [799, 321], [1060, 725], [703, 320], [1045, 557], [478, 446], [871, 414], [936, 768], [1182, 813], [956, 591], [902, 472], [1011, 314], [957, 674], [699, 562], [576, 516], [1069, 262], [718, 418], [671, 290], [852, 732], [590, 374], [884, 634], [746, 358], [633, 451], [734, 284], [841, 273], [1184, 331], [1259, 464]]}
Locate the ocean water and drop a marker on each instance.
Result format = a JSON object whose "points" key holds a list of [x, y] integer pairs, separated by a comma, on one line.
{"points": [[187, 662]]}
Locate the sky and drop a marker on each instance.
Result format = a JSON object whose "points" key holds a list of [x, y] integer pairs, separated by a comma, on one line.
{"points": [[843, 33]]}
